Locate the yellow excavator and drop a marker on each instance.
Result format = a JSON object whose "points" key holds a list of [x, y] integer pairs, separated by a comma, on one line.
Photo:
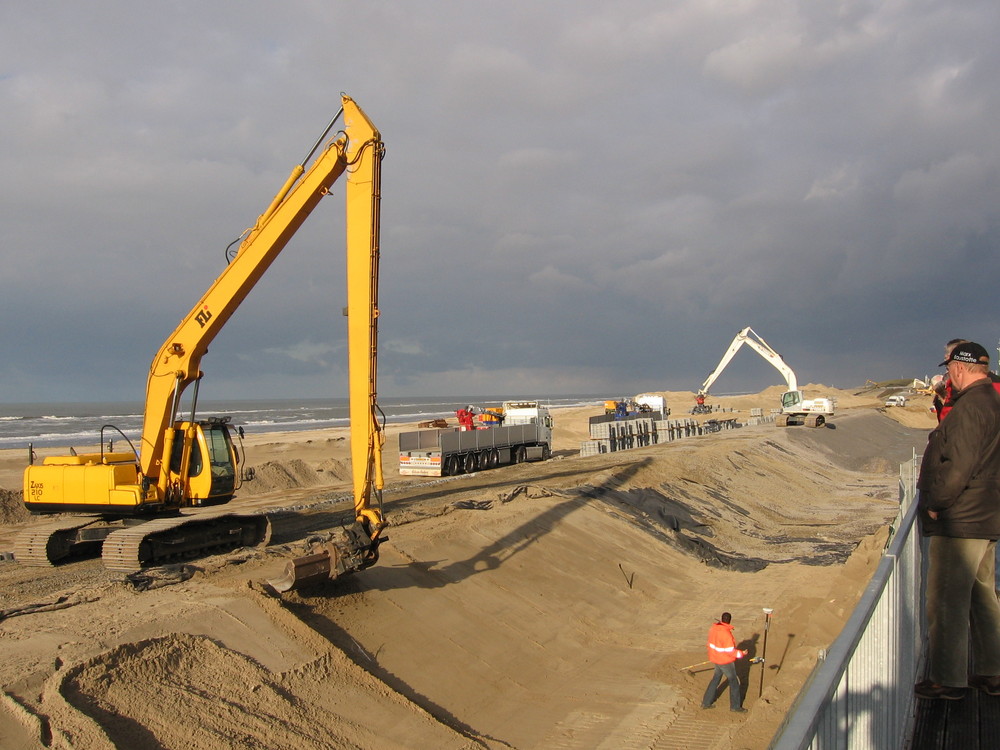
{"points": [[160, 503]]}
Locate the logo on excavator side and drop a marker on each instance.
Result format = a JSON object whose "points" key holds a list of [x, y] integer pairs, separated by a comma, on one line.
{"points": [[203, 317]]}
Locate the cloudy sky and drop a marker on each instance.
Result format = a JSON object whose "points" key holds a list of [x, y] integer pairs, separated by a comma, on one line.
{"points": [[578, 196]]}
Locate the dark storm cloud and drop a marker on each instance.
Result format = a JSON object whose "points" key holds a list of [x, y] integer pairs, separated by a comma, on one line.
{"points": [[578, 196]]}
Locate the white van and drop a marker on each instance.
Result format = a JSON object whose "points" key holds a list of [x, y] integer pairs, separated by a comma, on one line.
{"points": [[896, 401]]}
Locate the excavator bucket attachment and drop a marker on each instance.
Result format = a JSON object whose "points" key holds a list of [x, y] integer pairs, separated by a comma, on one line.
{"points": [[307, 570], [354, 550]]}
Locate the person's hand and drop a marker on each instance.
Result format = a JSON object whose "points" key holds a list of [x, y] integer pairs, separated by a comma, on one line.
{"points": [[933, 515], [740, 654]]}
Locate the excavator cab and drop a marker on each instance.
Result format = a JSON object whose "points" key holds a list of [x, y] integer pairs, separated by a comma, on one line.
{"points": [[206, 450], [791, 401]]}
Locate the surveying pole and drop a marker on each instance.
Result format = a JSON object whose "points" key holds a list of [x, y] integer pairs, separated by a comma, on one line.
{"points": [[763, 649]]}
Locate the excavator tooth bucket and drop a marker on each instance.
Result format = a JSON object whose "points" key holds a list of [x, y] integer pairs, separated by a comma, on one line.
{"points": [[347, 552], [308, 570]]}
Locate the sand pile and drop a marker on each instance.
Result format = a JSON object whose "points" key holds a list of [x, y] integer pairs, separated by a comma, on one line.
{"points": [[274, 476], [136, 693], [279, 475], [12, 508]]}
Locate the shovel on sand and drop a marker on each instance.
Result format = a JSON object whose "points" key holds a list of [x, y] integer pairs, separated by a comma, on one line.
{"points": [[692, 666]]}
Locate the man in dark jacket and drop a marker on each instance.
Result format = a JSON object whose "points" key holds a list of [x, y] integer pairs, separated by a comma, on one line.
{"points": [[960, 512]]}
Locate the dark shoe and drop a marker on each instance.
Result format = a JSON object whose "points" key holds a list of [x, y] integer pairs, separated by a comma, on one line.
{"points": [[703, 708], [739, 710], [933, 691], [989, 685]]}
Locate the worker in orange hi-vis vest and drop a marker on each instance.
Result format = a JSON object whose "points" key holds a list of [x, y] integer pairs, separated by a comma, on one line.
{"points": [[722, 652]]}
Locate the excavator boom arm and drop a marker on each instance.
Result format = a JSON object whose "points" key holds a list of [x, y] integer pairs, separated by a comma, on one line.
{"points": [[750, 337], [356, 546], [365, 151], [177, 363]]}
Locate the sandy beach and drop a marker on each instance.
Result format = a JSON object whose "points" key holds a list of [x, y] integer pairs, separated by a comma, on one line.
{"points": [[544, 605]]}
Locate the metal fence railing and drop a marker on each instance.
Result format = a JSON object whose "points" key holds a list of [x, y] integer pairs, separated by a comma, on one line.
{"points": [[860, 695]]}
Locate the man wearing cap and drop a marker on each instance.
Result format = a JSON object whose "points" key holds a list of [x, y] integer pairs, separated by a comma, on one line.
{"points": [[959, 510], [943, 387]]}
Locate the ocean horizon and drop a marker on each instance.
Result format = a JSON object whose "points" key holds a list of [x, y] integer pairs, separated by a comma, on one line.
{"points": [[51, 424]]}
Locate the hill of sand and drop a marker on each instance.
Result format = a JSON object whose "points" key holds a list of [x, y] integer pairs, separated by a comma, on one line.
{"points": [[544, 605]]}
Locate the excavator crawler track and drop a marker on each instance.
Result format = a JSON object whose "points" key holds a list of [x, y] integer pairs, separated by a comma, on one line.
{"points": [[178, 538], [54, 542]]}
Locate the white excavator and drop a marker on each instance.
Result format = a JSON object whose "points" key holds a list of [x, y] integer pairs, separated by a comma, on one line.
{"points": [[795, 409]]}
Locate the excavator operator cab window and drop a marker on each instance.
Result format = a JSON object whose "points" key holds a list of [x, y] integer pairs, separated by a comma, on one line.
{"points": [[221, 456], [791, 399], [220, 451]]}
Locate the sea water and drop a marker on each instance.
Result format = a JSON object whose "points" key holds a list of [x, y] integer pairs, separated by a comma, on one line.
{"points": [[72, 424]]}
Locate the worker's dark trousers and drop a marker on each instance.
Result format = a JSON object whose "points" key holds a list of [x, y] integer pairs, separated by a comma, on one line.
{"points": [[729, 670]]}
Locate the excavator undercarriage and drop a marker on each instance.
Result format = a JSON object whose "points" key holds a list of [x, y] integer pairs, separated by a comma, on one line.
{"points": [[130, 544], [809, 420]]}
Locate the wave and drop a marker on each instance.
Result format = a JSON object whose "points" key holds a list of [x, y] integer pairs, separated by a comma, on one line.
{"points": [[88, 437], [59, 424], [302, 423]]}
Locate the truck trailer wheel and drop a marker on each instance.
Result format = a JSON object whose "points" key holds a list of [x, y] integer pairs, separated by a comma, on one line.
{"points": [[450, 466], [471, 464], [518, 455]]}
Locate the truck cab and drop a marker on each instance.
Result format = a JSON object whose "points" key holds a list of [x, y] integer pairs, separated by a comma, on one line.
{"points": [[529, 412]]}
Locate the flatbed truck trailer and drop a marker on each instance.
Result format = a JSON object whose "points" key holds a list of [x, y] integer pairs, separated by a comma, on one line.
{"points": [[526, 435]]}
